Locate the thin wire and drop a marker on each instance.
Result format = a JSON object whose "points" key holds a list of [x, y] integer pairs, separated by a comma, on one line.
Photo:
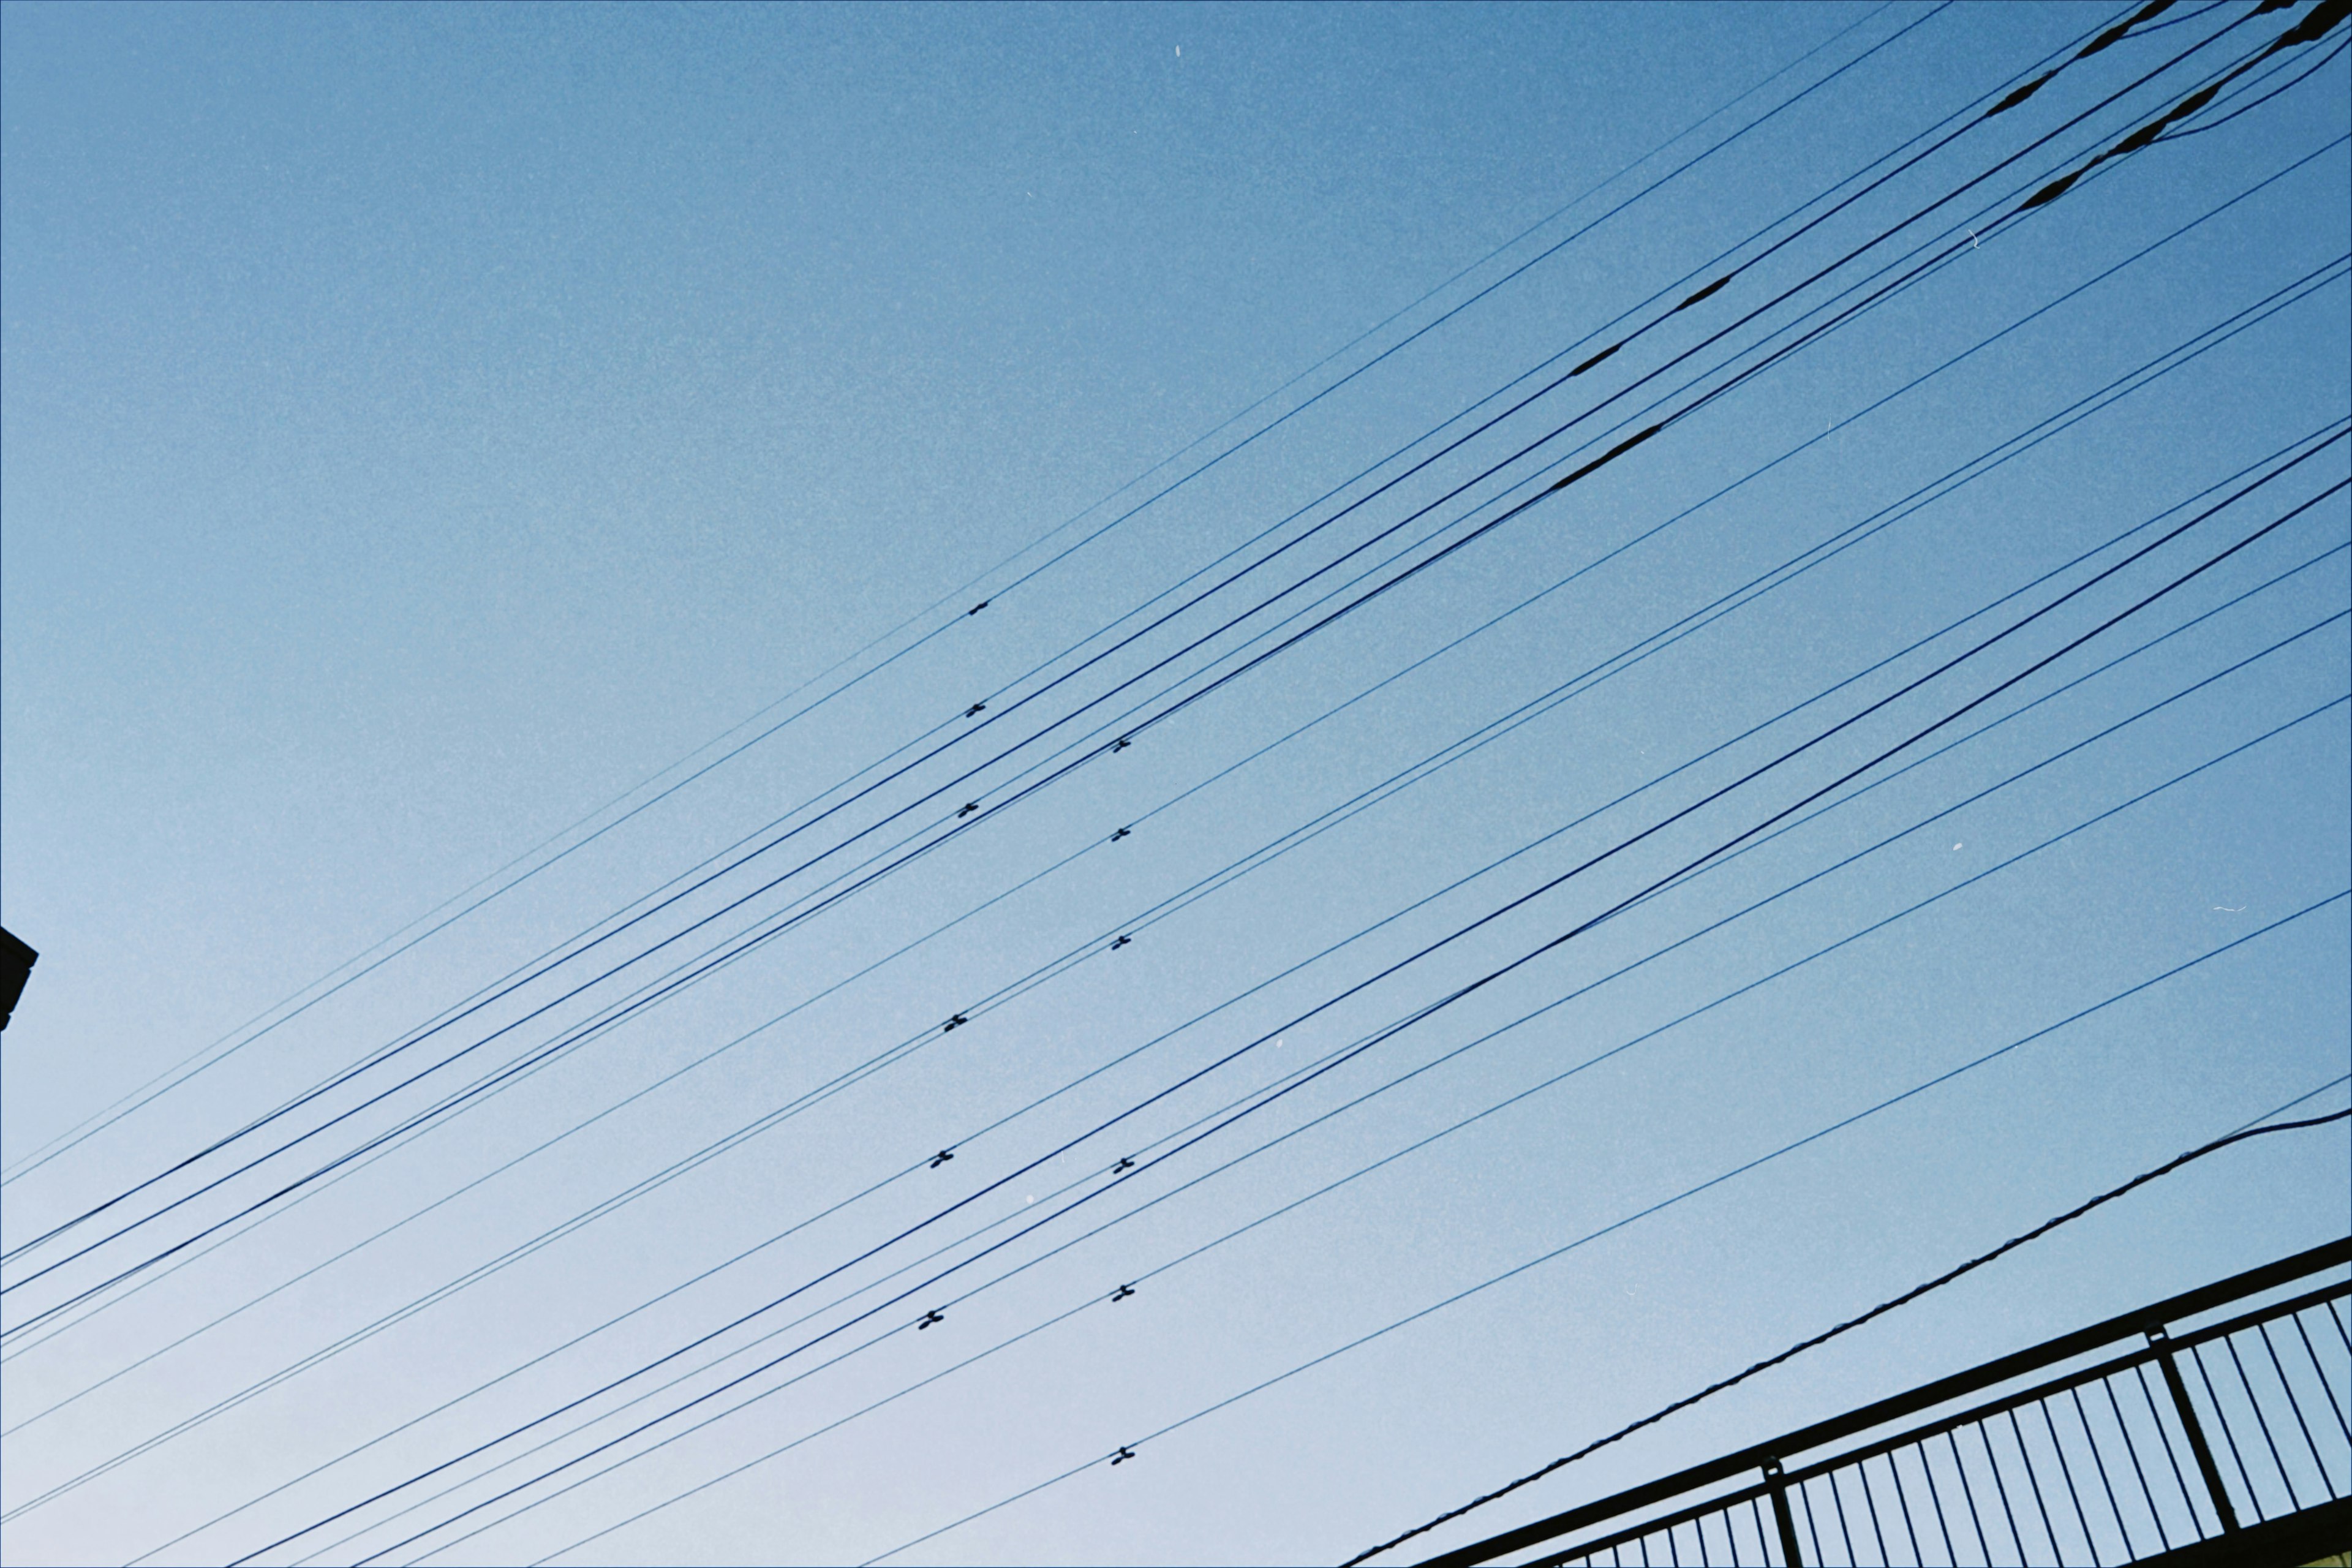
{"points": [[940, 790], [2162, 637], [1880, 1310], [78, 1134], [1430, 1010], [396, 1129], [1458, 1051], [2246, 109], [1687, 1192], [1032, 696]]}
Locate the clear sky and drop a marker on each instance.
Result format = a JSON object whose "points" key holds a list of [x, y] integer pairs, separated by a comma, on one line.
{"points": [[419, 427]]}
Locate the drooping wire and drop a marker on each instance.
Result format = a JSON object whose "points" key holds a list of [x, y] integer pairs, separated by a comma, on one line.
{"points": [[141, 1096], [1448, 1000], [1512, 855], [1686, 1193], [1892, 1303], [608, 936], [1411, 1074], [2162, 637], [25, 1325]]}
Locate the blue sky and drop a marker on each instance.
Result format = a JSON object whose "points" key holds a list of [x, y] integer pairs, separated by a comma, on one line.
{"points": [[419, 427]]}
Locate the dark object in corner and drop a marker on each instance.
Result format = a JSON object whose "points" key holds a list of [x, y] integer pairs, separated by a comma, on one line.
{"points": [[17, 962]]}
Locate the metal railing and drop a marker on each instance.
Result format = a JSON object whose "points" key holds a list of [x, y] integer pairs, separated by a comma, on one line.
{"points": [[2178, 1435]]}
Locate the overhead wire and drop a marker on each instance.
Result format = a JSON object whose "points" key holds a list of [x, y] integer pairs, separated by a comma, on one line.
{"points": [[2162, 637], [1459, 992], [344, 1158], [1135, 1279], [2332, 58], [1684, 1195], [1849, 859], [2038, 702], [1580, 990], [991, 720], [75, 1135], [1813, 1342]]}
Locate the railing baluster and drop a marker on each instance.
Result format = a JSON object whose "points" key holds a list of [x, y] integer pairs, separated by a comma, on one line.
{"points": [[1862, 1474], [2131, 1450], [1968, 1495], [2000, 1488], [2035, 1481], [1812, 1530], [2198, 1448], [2294, 1404], [2229, 1436], [1935, 1496], [2334, 1405], [2066, 1474], [1904, 1503], [1838, 1500], [2091, 1441]]}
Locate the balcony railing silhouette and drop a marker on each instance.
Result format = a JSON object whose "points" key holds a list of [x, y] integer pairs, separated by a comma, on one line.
{"points": [[2213, 1427]]}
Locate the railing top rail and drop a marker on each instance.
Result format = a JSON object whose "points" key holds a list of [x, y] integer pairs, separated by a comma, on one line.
{"points": [[2065, 1347], [1720, 1501]]}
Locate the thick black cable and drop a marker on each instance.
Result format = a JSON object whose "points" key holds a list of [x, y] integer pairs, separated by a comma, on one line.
{"points": [[1008, 802], [1687, 1192], [1447, 1001], [114, 1112], [2248, 107], [965, 734], [1293, 1206], [1880, 1310], [1448, 315], [1164, 714], [2164, 637], [1278, 650], [1232, 1163]]}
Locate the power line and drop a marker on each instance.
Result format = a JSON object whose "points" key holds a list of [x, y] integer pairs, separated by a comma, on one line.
{"points": [[125, 1107], [1059, 680], [1476, 1043], [1448, 1000], [1848, 860], [1880, 1310], [1685, 1193], [2134, 653], [2046, 428]]}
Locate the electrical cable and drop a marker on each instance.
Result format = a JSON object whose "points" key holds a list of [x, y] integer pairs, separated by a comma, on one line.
{"points": [[1848, 860], [1519, 1022], [1880, 1310], [2047, 429], [2246, 109], [1066, 678], [2133, 653], [1687, 1192], [76, 1136], [1457, 993]]}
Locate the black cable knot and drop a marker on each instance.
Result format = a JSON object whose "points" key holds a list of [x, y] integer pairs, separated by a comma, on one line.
{"points": [[928, 1319], [941, 1158]]}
